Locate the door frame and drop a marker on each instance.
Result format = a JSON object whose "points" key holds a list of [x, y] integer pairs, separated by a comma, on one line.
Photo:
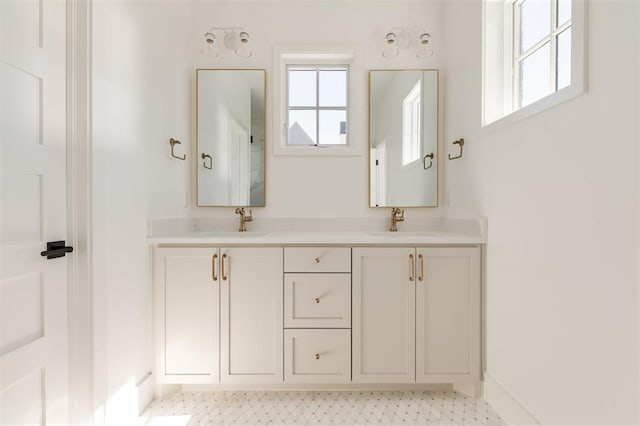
{"points": [[83, 396]]}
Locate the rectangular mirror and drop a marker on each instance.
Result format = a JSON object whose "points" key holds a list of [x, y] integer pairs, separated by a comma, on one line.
{"points": [[231, 137], [403, 138]]}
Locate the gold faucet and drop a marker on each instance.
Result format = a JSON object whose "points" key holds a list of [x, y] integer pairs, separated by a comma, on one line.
{"points": [[397, 215], [243, 219]]}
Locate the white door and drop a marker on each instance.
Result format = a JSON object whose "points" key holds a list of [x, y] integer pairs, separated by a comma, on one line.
{"points": [[33, 290], [378, 158], [448, 315], [187, 314], [383, 315], [251, 315]]}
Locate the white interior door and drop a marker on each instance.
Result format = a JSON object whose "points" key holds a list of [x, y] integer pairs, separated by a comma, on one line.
{"points": [[33, 290]]}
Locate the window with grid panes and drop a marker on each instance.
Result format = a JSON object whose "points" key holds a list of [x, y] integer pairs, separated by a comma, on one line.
{"points": [[317, 106], [541, 49]]}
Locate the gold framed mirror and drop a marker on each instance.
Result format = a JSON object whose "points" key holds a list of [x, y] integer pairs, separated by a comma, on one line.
{"points": [[403, 138], [231, 137]]}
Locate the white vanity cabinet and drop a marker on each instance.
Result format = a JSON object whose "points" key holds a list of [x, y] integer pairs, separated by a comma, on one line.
{"points": [[448, 318], [317, 345], [416, 315], [301, 314], [383, 315], [218, 315], [186, 293]]}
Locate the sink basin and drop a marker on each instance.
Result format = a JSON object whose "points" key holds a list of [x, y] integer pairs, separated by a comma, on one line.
{"points": [[403, 234], [233, 234]]}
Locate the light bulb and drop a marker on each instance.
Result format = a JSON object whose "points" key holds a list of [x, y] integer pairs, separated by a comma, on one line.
{"points": [[209, 49], [424, 51], [243, 51], [391, 50]]}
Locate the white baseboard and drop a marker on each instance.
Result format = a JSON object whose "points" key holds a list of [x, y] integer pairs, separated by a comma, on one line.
{"points": [[145, 392], [314, 387], [508, 408]]}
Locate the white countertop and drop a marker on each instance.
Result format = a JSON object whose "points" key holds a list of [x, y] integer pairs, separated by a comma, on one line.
{"points": [[317, 232]]}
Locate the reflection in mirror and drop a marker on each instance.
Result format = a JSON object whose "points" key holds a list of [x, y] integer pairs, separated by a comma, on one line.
{"points": [[403, 130], [231, 137]]}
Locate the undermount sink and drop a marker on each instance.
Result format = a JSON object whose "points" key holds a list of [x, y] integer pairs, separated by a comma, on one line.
{"points": [[403, 234], [234, 234]]}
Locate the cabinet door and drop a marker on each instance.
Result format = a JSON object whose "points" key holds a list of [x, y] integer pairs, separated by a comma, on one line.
{"points": [[251, 315], [383, 315], [448, 315], [186, 310]]}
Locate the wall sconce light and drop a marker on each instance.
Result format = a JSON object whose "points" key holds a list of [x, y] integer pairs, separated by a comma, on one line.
{"points": [[401, 38], [232, 38], [424, 51]]}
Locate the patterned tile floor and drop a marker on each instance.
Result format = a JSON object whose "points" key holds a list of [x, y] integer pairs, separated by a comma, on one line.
{"points": [[320, 408]]}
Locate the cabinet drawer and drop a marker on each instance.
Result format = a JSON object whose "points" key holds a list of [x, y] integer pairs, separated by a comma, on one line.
{"points": [[317, 356], [317, 300], [317, 259]]}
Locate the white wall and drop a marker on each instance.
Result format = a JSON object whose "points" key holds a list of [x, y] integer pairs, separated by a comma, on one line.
{"points": [[560, 190], [138, 103], [296, 186]]}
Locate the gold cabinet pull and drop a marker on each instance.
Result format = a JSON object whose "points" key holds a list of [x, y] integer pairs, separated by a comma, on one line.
{"points": [[317, 300], [317, 259], [412, 268], [317, 356], [213, 267], [224, 277], [421, 276]]}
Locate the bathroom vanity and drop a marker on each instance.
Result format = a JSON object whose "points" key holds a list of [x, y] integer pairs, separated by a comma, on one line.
{"points": [[285, 307], [318, 301]]}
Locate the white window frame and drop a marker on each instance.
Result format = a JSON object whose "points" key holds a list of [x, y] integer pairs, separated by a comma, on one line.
{"points": [[317, 107], [411, 137], [500, 91], [317, 55], [517, 57]]}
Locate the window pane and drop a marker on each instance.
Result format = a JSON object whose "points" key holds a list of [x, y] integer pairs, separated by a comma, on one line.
{"points": [[564, 59], [333, 88], [564, 11], [535, 22], [333, 127], [535, 75], [302, 88], [302, 127], [411, 124]]}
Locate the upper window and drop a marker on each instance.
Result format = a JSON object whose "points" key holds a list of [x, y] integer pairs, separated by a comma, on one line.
{"points": [[541, 48], [317, 105], [533, 56]]}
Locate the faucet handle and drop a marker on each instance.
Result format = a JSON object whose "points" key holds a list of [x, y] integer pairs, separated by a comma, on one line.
{"points": [[248, 217], [240, 210]]}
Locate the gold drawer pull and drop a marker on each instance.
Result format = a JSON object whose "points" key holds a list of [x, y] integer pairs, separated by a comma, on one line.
{"points": [[317, 300], [317, 259], [213, 267], [224, 277], [317, 356], [412, 268], [421, 276]]}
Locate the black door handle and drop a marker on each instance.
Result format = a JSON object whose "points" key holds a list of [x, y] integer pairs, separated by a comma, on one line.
{"points": [[56, 249]]}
